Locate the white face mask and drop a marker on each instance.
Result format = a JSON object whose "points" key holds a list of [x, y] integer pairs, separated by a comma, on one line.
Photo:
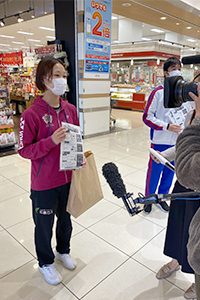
{"points": [[175, 73], [60, 86]]}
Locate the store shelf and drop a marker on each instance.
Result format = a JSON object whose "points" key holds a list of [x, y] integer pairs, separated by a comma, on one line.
{"points": [[6, 126]]}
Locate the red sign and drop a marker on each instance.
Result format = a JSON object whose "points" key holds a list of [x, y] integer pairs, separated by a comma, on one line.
{"points": [[11, 59], [46, 50], [143, 54]]}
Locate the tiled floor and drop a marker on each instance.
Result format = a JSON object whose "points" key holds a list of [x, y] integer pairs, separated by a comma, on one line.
{"points": [[117, 255]]}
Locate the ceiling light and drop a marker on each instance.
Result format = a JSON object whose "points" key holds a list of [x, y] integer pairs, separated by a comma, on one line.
{"points": [[47, 28], [114, 18], [45, 13], [32, 40], [6, 45], [115, 41], [38, 45], [18, 43], [7, 36], [146, 39], [32, 16], [177, 24], [50, 37], [19, 19], [163, 18], [26, 33], [2, 23], [191, 40], [126, 4], [157, 30], [189, 27], [25, 47]]}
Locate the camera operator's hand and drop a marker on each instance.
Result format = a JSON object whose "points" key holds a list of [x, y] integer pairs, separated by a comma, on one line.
{"points": [[175, 128], [196, 100]]}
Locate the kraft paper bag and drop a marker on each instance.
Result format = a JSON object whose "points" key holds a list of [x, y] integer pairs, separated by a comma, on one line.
{"points": [[85, 189]]}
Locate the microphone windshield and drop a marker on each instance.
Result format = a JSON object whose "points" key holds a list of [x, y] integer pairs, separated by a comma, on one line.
{"points": [[113, 177]]}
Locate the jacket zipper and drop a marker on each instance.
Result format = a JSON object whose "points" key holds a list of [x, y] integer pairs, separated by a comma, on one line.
{"points": [[59, 124]]}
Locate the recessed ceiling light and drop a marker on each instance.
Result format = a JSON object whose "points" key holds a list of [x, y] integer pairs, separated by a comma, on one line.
{"points": [[115, 42], [45, 13], [146, 39], [177, 24], [47, 28], [163, 18], [6, 45], [33, 16], [26, 33], [191, 40], [18, 43], [114, 18], [126, 4], [7, 36], [157, 30], [32, 40], [189, 27], [39, 45], [50, 37]]}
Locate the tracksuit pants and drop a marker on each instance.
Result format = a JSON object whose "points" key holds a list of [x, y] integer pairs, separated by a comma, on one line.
{"points": [[158, 174], [45, 205]]}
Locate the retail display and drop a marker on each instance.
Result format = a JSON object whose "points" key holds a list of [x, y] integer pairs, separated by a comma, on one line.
{"points": [[7, 135], [126, 96]]}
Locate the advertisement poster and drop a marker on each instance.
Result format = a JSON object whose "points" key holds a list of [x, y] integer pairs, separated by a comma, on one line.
{"points": [[97, 24]]}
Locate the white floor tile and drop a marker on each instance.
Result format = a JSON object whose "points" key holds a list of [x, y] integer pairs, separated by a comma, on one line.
{"points": [[126, 233], [24, 234], [15, 210], [15, 169], [133, 281], [22, 181], [151, 255], [137, 178], [134, 162], [96, 213], [157, 216], [27, 283], [13, 255], [95, 260], [9, 190]]}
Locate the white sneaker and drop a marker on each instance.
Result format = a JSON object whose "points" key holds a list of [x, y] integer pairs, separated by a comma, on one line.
{"points": [[50, 274], [67, 261]]}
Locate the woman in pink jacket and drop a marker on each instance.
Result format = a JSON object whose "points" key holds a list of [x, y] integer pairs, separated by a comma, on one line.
{"points": [[40, 135]]}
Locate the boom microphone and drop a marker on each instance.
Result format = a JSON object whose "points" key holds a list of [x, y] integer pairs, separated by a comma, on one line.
{"points": [[114, 179], [188, 60]]}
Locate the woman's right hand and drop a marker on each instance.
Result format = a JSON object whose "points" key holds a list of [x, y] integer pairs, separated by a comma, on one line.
{"points": [[59, 135]]}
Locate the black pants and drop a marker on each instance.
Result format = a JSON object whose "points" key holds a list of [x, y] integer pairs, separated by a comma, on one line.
{"points": [[46, 204]]}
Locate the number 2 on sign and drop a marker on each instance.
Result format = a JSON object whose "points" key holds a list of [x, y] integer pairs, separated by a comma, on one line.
{"points": [[95, 30]]}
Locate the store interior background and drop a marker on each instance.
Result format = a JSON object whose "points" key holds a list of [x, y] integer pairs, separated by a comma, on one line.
{"points": [[170, 27]]}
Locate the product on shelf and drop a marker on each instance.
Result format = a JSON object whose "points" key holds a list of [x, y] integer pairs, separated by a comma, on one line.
{"points": [[7, 135]]}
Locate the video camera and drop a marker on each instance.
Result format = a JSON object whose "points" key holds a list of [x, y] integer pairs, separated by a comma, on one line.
{"points": [[176, 89]]}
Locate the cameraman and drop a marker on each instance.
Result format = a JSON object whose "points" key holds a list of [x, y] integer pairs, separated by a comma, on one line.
{"points": [[188, 173]]}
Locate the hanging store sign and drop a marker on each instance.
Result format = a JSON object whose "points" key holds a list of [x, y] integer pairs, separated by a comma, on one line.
{"points": [[97, 38], [11, 59]]}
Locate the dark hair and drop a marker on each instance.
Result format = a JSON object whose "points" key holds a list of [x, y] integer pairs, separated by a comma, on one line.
{"points": [[171, 61], [45, 68]]}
